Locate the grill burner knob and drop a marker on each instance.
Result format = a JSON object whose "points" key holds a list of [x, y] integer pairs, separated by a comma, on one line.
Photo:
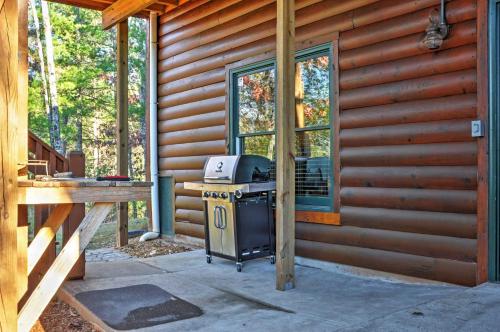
{"points": [[215, 195], [206, 194], [238, 193], [223, 195]]}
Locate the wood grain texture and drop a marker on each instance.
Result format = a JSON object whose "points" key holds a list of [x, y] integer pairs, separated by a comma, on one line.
{"points": [[121, 10], [8, 163]]}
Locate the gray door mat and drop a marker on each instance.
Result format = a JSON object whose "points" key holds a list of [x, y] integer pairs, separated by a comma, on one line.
{"points": [[137, 306]]}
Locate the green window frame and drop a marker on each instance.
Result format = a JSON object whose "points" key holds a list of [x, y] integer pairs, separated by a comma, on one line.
{"points": [[237, 139]]}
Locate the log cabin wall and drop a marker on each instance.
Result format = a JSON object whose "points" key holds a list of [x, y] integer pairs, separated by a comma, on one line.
{"points": [[408, 184]]}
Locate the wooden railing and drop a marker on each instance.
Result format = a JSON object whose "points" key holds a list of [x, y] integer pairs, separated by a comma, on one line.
{"points": [[57, 163]]}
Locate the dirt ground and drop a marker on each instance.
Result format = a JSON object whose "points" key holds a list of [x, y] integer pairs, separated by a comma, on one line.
{"points": [[60, 317], [152, 248]]}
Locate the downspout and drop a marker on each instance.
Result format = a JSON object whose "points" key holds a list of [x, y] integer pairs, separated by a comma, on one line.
{"points": [[153, 127]]}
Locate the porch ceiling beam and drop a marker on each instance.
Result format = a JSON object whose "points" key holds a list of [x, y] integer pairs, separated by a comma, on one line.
{"points": [[285, 141], [121, 10]]}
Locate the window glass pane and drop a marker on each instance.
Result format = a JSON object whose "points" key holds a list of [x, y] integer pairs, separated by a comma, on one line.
{"points": [[312, 92], [256, 102], [262, 145], [312, 165]]}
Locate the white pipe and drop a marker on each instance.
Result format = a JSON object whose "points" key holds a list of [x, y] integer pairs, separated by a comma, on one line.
{"points": [[153, 127]]}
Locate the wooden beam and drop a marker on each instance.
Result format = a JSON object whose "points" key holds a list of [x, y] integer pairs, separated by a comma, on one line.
{"points": [[285, 142], [46, 234], [61, 267], [60, 195], [22, 139], [8, 164], [121, 10], [122, 124]]}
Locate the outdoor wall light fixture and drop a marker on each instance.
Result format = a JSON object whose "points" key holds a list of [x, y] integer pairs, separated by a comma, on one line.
{"points": [[437, 30]]}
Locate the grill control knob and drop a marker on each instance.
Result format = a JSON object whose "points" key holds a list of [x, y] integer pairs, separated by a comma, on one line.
{"points": [[223, 195], [238, 193], [206, 194], [215, 195]]}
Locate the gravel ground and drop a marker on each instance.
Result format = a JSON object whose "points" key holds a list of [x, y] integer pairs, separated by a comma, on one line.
{"points": [[60, 317], [152, 248]]}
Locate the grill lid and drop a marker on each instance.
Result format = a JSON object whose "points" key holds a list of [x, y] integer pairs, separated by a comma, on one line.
{"points": [[237, 169]]}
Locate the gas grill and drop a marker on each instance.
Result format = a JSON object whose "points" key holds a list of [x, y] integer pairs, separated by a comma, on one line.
{"points": [[237, 193]]}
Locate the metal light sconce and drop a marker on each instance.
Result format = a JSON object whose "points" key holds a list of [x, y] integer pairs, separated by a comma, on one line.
{"points": [[437, 31]]}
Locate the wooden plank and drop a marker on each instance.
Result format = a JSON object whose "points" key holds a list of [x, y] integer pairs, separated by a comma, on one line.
{"points": [[35, 195], [122, 123], [285, 145], [482, 143], [121, 10], [57, 273], [8, 164], [46, 234], [317, 217], [22, 139]]}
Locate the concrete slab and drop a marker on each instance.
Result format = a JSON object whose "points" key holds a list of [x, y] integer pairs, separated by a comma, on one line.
{"points": [[119, 269], [322, 301]]}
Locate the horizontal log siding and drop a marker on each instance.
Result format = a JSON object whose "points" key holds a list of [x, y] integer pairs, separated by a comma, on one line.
{"points": [[409, 165]]}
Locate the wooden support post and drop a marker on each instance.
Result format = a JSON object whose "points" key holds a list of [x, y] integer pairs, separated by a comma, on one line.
{"points": [[122, 124], [22, 139], [8, 164], [63, 264], [285, 142], [76, 162], [46, 234]]}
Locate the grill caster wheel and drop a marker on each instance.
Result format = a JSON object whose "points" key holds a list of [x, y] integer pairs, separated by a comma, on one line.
{"points": [[239, 267], [209, 259], [273, 259]]}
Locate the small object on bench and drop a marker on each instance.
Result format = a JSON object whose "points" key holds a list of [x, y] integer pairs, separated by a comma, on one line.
{"points": [[113, 178], [63, 175]]}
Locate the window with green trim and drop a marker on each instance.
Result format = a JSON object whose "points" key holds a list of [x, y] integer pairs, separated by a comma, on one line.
{"points": [[253, 121]]}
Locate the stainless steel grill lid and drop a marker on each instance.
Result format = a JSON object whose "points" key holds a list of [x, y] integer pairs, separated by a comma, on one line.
{"points": [[237, 169]]}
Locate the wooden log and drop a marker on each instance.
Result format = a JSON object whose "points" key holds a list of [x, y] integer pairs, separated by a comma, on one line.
{"points": [[189, 96], [420, 88], [218, 18], [186, 8], [195, 108], [318, 217], [285, 145], [46, 234], [122, 124], [193, 122], [403, 25], [191, 136], [184, 175], [180, 191], [463, 33], [455, 59], [210, 77], [437, 154], [424, 177], [183, 163], [416, 133], [189, 203], [422, 222], [445, 270], [57, 273], [193, 149], [409, 243], [190, 229], [195, 217], [456, 201], [445, 108], [8, 164]]}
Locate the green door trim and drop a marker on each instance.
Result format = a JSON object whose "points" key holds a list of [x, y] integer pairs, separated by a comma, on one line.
{"points": [[494, 143]]}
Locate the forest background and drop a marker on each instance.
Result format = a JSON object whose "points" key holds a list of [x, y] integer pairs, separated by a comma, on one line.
{"points": [[72, 75]]}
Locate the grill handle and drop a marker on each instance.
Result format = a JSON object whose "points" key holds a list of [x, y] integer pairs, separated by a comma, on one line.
{"points": [[220, 217], [217, 177]]}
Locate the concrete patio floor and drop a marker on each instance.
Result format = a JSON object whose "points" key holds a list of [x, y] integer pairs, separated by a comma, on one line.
{"points": [[323, 300]]}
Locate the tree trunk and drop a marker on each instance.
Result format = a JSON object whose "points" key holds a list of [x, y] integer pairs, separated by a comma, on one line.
{"points": [[131, 175], [55, 128], [43, 72]]}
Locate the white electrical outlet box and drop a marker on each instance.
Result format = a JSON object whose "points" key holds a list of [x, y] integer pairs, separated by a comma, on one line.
{"points": [[477, 128]]}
